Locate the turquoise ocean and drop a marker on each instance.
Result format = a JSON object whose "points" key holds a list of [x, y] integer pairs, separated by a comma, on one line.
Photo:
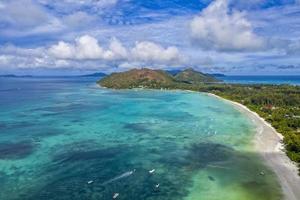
{"points": [[68, 139]]}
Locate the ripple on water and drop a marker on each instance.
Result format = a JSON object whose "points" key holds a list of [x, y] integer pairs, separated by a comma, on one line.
{"points": [[75, 156], [174, 116], [12, 125]]}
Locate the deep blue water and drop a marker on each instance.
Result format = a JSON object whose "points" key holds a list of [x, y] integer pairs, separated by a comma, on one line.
{"points": [[293, 80]]}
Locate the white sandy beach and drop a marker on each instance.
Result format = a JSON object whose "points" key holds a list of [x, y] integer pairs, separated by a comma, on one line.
{"points": [[268, 142]]}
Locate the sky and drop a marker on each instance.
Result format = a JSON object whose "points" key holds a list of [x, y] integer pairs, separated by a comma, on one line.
{"points": [[67, 37]]}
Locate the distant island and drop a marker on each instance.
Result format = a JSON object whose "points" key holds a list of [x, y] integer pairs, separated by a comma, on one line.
{"points": [[277, 104], [97, 75], [15, 76]]}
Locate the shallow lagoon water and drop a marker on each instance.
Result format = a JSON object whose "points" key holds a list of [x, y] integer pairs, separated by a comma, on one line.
{"points": [[58, 134]]}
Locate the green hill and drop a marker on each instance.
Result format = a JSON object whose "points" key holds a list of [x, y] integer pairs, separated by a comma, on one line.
{"points": [[156, 79], [194, 77], [136, 78]]}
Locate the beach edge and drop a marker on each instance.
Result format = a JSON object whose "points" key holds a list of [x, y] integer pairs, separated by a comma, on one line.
{"points": [[268, 143]]}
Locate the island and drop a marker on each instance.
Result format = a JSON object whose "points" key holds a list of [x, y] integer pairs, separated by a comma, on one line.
{"points": [[275, 105], [156, 79]]}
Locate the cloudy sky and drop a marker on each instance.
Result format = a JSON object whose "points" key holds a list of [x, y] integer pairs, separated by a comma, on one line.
{"points": [[81, 36]]}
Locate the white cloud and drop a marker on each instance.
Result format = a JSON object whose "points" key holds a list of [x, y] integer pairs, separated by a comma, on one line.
{"points": [[294, 47], [27, 17], [4, 60], [151, 52], [13, 50], [86, 53], [16, 57], [87, 48], [219, 28], [78, 19], [117, 49], [22, 13], [62, 50], [20, 18]]}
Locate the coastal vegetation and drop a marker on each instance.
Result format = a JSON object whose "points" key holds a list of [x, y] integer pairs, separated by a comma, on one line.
{"points": [[192, 76], [277, 104]]}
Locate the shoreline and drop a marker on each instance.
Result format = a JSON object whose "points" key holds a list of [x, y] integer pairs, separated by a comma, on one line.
{"points": [[268, 143]]}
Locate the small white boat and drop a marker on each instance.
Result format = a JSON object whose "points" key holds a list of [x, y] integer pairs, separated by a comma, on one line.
{"points": [[115, 195], [90, 182], [152, 171], [157, 185]]}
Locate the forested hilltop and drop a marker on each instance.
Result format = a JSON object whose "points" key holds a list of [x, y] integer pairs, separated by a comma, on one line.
{"points": [[148, 78], [277, 104]]}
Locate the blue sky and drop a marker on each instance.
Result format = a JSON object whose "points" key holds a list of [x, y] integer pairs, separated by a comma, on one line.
{"points": [[82, 36]]}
